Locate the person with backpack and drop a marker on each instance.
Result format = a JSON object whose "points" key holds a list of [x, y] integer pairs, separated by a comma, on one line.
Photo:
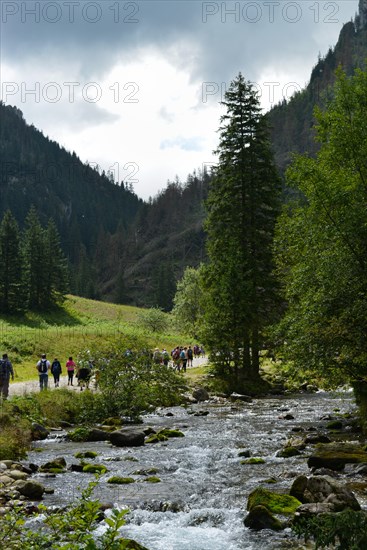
{"points": [[43, 367], [6, 370], [56, 371], [183, 357], [176, 358], [189, 356], [70, 367]]}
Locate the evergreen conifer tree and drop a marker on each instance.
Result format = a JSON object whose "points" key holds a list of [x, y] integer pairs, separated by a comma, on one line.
{"points": [[243, 203], [36, 260], [13, 291], [57, 269]]}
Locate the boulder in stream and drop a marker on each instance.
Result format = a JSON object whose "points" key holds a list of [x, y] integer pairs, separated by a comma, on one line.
{"points": [[30, 489], [324, 489], [261, 518], [127, 437], [39, 432], [275, 502], [200, 394], [336, 455]]}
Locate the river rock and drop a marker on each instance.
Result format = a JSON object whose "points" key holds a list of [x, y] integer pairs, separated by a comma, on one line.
{"points": [[260, 518], [240, 397], [95, 434], [324, 489], [58, 463], [16, 474], [5, 480], [361, 469], [200, 394], [30, 489], [314, 508], [287, 452], [127, 437], [336, 456], [39, 432], [312, 439]]}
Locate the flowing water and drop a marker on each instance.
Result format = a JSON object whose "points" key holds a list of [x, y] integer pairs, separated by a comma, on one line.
{"points": [[200, 502]]}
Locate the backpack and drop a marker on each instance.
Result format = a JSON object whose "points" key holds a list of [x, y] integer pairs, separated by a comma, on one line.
{"points": [[176, 354], [56, 367], [43, 366], [3, 368], [183, 355], [189, 353]]}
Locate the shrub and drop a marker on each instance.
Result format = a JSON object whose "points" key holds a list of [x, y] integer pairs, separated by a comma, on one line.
{"points": [[73, 527], [345, 530], [15, 437], [130, 383]]}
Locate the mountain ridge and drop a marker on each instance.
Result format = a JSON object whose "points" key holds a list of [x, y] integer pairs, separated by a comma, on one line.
{"points": [[121, 248]]}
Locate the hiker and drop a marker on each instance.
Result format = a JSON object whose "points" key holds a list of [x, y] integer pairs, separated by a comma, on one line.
{"points": [[189, 356], [70, 367], [183, 357], [83, 374], [43, 366], [6, 370], [176, 358], [56, 371], [165, 357]]}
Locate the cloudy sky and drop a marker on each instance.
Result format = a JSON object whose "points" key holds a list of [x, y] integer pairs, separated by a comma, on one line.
{"points": [[135, 86]]}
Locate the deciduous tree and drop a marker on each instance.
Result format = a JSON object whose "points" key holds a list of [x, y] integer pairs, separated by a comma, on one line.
{"points": [[322, 243]]}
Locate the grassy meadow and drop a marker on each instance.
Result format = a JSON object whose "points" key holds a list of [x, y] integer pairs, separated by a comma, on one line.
{"points": [[75, 326]]}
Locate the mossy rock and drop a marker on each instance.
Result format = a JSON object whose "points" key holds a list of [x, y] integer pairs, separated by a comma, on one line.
{"points": [[86, 454], [79, 434], [147, 472], [270, 480], [152, 479], [56, 466], [130, 458], [274, 502], [253, 460], [335, 425], [94, 469], [287, 452], [112, 421], [156, 438], [336, 455], [56, 471], [121, 480], [171, 433]]}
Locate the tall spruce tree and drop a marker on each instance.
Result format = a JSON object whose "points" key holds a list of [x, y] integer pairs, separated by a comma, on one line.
{"points": [[242, 206], [57, 269], [36, 260], [13, 291], [46, 268]]}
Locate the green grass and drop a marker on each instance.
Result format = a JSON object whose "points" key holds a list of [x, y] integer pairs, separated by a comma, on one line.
{"points": [[67, 330]]}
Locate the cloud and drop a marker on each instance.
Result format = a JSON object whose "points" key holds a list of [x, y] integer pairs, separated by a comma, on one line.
{"points": [[138, 78]]}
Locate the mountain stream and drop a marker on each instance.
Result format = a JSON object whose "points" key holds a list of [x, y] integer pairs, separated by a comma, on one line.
{"points": [[200, 502]]}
